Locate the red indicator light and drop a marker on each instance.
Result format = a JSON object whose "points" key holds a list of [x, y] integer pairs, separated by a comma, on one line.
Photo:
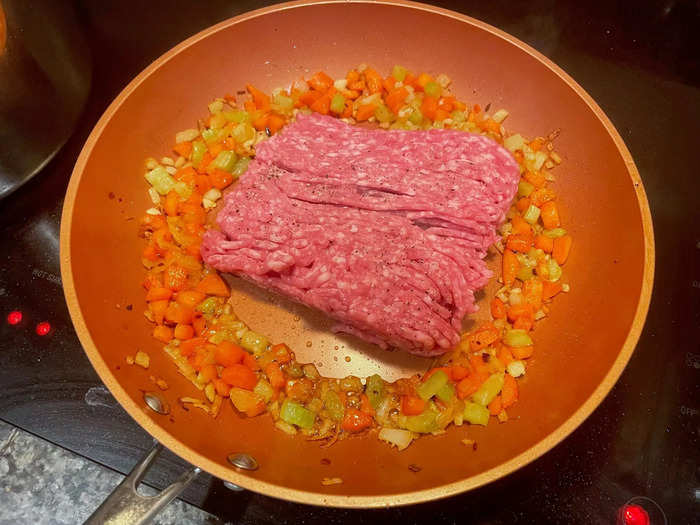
{"points": [[634, 515], [14, 317], [43, 328]]}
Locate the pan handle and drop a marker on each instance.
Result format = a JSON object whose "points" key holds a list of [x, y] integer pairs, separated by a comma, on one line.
{"points": [[126, 505]]}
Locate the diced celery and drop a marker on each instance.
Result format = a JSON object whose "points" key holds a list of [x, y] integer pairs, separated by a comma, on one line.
{"points": [[225, 160], [338, 103], [243, 400], [432, 385], [283, 101], [476, 414], [422, 423], [208, 306], [532, 214], [183, 189], [399, 73], [254, 342], [241, 166], [160, 180], [535, 254], [295, 414], [213, 135], [525, 273], [517, 338], [216, 107], [237, 116], [264, 390], [217, 121], [243, 132], [446, 393], [199, 148], [458, 116], [488, 389], [525, 188], [555, 233], [374, 389], [554, 270], [383, 114], [540, 158], [416, 117], [433, 89], [514, 142], [332, 403]]}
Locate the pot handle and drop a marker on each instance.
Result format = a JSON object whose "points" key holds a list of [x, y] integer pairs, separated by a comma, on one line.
{"points": [[126, 505]]}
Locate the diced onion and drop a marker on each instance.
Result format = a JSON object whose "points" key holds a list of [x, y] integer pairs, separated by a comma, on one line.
{"points": [[155, 196], [153, 211], [396, 436], [516, 368], [213, 195], [186, 135], [341, 83], [167, 161], [514, 142], [500, 115]]}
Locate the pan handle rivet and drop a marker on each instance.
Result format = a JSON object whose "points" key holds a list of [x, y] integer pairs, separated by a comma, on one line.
{"points": [[233, 486], [243, 461], [155, 403]]}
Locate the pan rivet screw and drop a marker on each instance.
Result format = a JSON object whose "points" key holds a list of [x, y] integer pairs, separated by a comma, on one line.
{"points": [[243, 461], [233, 486], [155, 403]]}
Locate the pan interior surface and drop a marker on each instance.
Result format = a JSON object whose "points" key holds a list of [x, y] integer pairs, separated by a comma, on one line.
{"points": [[597, 184]]}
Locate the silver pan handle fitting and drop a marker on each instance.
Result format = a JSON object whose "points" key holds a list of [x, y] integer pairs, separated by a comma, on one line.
{"points": [[125, 505]]}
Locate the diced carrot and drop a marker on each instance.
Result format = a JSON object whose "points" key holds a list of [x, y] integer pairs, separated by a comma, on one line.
{"points": [[322, 105], [260, 122], [358, 85], [227, 353], [495, 406], [310, 97], [275, 123], [163, 333], [542, 195], [510, 267], [221, 387], [229, 143], [352, 76], [151, 280], [257, 409], [524, 323], [240, 376], [536, 178], [520, 225], [260, 99], [429, 107], [520, 242], [504, 355], [275, 375], [517, 311], [522, 204], [150, 253], [347, 112], [396, 98], [215, 149], [203, 183], [412, 405], [220, 179], [189, 347], [199, 323], [320, 81], [159, 294], [491, 125], [441, 114], [162, 237], [484, 336], [158, 309], [467, 386], [190, 298], [388, 83], [204, 163], [183, 148], [365, 111], [171, 201], [250, 361], [479, 367], [208, 372], [561, 248], [498, 308], [175, 277], [458, 372], [509, 393], [355, 420], [536, 144], [374, 80], [185, 174], [422, 80], [212, 284], [532, 293], [544, 243], [550, 289], [183, 331], [149, 223], [366, 406], [281, 353], [178, 314], [522, 352], [550, 215]]}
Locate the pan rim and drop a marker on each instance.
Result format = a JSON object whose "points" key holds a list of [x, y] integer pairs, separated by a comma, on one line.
{"points": [[333, 500]]}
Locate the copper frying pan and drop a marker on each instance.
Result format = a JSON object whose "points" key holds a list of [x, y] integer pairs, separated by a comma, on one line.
{"points": [[592, 330]]}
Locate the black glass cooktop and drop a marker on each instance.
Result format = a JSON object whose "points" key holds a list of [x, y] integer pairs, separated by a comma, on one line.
{"points": [[640, 61]]}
